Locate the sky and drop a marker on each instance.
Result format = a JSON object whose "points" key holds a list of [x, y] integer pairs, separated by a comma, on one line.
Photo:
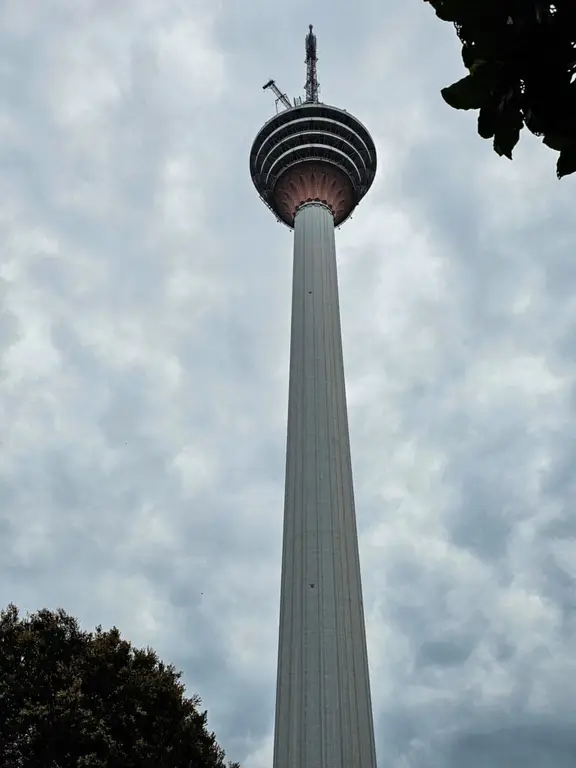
{"points": [[144, 336]]}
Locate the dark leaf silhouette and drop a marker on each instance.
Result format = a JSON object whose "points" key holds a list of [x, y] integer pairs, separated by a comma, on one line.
{"points": [[521, 58]]}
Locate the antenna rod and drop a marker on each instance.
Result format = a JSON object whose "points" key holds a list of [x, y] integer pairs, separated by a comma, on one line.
{"points": [[311, 74]]}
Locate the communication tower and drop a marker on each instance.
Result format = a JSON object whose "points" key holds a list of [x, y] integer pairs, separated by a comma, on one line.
{"points": [[312, 163]]}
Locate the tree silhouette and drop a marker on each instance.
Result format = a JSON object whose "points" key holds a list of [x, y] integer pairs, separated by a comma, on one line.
{"points": [[70, 698], [521, 59]]}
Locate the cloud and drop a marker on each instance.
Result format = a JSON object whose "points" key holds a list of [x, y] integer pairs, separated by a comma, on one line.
{"points": [[144, 331]]}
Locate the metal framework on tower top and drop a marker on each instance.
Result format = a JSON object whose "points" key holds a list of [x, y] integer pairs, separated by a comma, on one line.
{"points": [[311, 88], [310, 133]]}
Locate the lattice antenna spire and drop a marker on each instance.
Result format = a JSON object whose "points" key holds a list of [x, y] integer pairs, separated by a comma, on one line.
{"points": [[311, 86]]}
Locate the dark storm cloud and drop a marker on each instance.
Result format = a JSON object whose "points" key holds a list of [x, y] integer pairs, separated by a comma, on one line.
{"points": [[532, 744], [144, 327]]}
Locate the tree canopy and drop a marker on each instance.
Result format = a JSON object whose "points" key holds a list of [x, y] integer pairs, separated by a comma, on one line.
{"points": [[521, 59], [76, 699]]}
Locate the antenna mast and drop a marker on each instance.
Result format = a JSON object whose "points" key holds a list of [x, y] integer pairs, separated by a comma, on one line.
{"points": [[311, 88], [311, 74]]}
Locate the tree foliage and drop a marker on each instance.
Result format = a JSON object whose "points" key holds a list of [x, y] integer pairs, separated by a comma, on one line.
{"points": [[521, 59], [75, 699]]}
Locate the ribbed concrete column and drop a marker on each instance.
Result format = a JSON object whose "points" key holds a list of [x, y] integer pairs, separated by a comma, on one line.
{"points": [[323, 708]]}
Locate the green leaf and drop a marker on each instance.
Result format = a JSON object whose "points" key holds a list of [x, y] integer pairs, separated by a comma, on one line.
{"points": [[506, 140], [558, 141], [487, 121], [566, 162], [508, 126], [476, 65], [461, 11], [450, 10], [472, 92]]}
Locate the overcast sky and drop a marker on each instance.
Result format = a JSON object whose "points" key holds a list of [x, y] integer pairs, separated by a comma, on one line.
{"points": [[144, 332]]}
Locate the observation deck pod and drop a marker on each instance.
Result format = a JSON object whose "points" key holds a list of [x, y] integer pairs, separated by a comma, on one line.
{"points": [[312, 152]]}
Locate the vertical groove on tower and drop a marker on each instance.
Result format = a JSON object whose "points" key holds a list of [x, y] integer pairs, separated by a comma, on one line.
{"points": [[323, 709]]}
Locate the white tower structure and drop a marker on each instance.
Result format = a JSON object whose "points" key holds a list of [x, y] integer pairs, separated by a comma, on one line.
{"points": [[311, 164]]}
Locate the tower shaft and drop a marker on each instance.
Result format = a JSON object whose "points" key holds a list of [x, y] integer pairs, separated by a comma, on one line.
{"points": [[323, 708]]}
